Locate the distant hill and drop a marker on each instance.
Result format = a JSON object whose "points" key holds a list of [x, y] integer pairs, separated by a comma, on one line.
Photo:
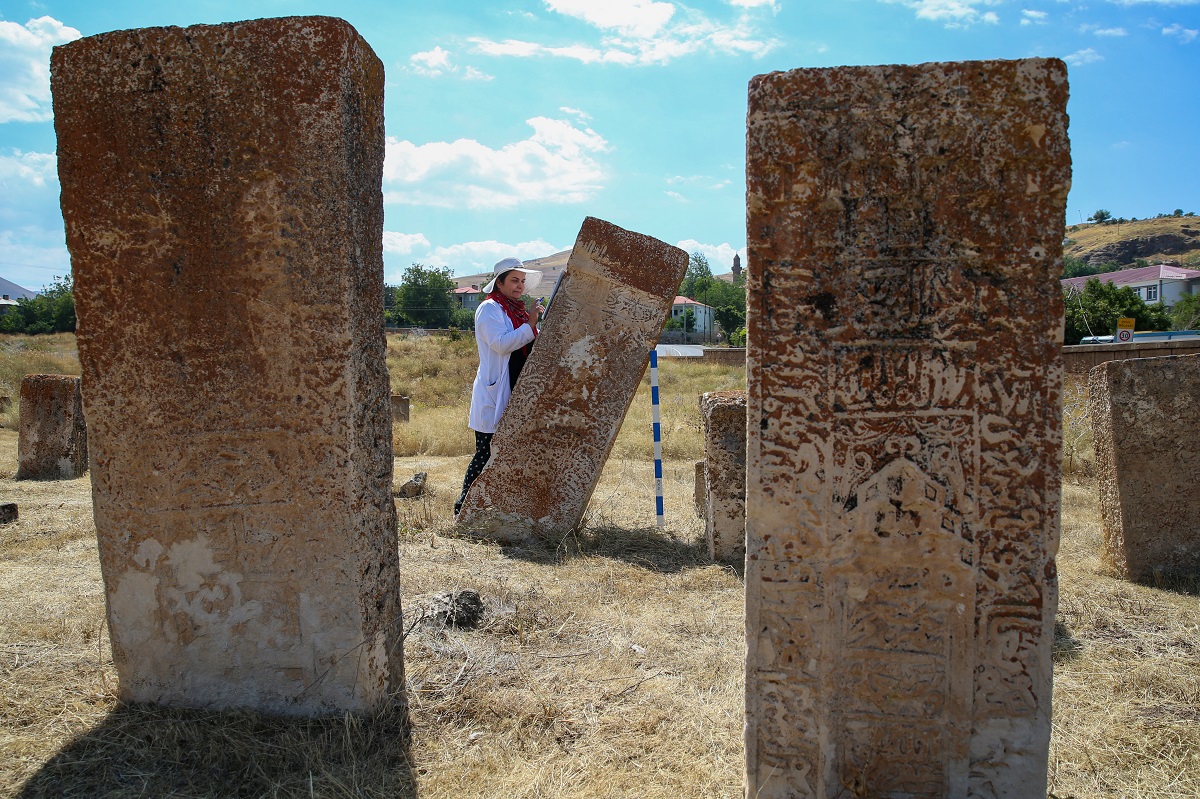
{"points": [[14, 291], [1171, 238]]}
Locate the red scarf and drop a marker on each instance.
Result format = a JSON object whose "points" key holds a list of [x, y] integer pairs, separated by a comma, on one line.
{"points": [[517, 314]]}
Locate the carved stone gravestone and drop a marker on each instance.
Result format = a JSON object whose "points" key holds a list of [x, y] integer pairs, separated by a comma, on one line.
{"points": [[905, 232], [221, 187], [1145, 413], [575, 388], [724, 416], [51, 434]]}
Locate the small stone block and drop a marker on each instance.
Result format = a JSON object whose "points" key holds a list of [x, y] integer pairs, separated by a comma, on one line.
{"points": [[1145, 413], [724, 416], [8, 512], [51, 434], [400, 407]]}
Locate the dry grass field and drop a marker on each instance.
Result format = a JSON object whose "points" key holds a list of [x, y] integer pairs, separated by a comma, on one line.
{"points": [[608, 665]]}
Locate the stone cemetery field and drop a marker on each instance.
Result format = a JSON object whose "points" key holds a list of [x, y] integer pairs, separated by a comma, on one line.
{"points": [[606, 665]]}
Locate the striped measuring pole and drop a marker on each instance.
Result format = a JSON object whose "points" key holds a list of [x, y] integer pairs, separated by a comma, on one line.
{"points": [[658, 478]]}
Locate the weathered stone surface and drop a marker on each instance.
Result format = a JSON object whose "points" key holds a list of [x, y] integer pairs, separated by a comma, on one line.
{"points": [[698, 498], [724, 416], [1145, 414], [221, 187], [399, 408], [51, 434], [575, 388], [904, 228]]}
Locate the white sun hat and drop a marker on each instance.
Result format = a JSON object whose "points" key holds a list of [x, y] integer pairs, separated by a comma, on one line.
{"points": [[532, 276]]}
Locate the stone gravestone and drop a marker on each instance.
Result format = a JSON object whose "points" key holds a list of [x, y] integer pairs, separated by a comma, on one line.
{"points": [[574, 390], [221, 187], [724, 417], [905, 232], [51, 434], [399, 408], [1145, 413]]}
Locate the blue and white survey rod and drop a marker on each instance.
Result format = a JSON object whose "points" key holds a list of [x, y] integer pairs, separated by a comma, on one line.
{"points": [[658, 500]]}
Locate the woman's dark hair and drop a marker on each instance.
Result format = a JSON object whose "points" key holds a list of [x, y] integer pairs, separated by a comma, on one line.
{"points": [[503, 276]]}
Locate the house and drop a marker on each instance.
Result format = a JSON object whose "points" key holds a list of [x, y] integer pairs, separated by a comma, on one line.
{"points": [[704, 323], [1165, 283], [467, 297]]}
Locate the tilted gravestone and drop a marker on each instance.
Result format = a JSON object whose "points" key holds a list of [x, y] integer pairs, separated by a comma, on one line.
{"points": [[905, 232], [1145, 413], [724, 417], [51, 434], [221, 187], [566, 409]]}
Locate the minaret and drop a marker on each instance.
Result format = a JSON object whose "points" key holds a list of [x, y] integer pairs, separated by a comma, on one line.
{"points": [[737, 266]]}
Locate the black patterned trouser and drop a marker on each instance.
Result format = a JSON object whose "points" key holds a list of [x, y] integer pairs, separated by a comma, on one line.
{"points": [[483, 451]]}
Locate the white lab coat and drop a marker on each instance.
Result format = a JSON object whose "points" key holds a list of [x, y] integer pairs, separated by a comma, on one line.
{"points": [[495, 339]]}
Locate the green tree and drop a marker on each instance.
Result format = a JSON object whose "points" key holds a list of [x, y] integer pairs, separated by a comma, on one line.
{"points": [[424, 297], [698, 278], [1094, 311], [1101, 216], [730, 318], [52, 311], [1185, 314]]}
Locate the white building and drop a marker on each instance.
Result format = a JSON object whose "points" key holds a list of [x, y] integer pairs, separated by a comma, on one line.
{"points": [[705, 322], [1160, 283]]}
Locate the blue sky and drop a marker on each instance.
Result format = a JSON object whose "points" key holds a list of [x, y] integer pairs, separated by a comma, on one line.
{"points": [[509, 122]]}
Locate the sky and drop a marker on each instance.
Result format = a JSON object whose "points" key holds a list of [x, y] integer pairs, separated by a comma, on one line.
{"points": [[509, 121]]}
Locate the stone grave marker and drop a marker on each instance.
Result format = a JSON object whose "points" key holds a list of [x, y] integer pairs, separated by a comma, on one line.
{"points": [[724, 417], [905, 230], [574, 390], [1145, 413], [51, 434], [221, 187]]}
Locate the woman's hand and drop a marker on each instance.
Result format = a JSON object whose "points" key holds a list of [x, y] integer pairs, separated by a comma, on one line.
{"points": [[536, 313]]}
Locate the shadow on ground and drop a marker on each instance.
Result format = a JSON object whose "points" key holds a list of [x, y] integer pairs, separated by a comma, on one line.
{"points": [[148, 751], [1066, 645], [647, 547]]}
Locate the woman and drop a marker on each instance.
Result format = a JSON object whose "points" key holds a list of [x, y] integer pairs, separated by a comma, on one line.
{"points": [[504, 335]]}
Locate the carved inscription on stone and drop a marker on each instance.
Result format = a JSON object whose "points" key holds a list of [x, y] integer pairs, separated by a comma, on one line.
{"points": [[723, 414], [221, 187], [1145, 413], [575, 388], [904, 377]]}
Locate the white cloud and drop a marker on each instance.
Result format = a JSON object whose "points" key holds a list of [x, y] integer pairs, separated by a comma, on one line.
{"points": [[1029, 17], [640, 32], [1111, 32], [31, 168], [720, 256], [642, 19], [479, 256], [25, 67], [575, 112], [953, 13], [674, 195], [1185, 35], [31, 256], [1155, 2], [436, 63], [1081, 57], [754, 3], [403, 243], [556, 164]]}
